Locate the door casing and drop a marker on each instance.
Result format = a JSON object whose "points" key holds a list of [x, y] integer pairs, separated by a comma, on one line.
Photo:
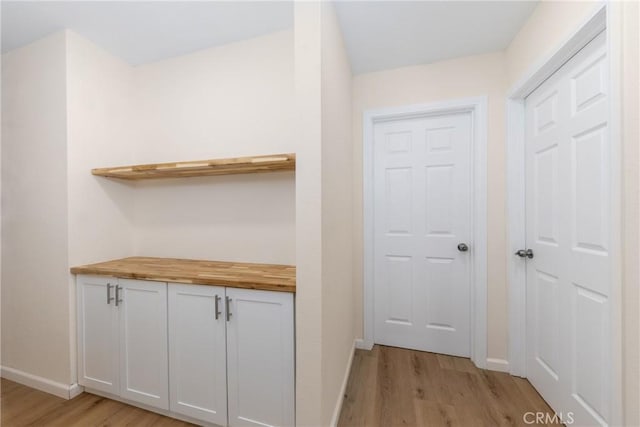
{"points": [[606, 17], [477, 107]]}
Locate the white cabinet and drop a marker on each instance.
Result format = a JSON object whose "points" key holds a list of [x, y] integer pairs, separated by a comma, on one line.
{"points": [[98, 342], [197, 352], [144, 375], [122, 338], [232, 348], [215, 354], [260, 352]]}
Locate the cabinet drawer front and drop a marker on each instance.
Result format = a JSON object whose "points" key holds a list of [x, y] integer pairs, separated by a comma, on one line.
{"points": [[197, 352], [144, 366], [97, 326], [260, 351]]}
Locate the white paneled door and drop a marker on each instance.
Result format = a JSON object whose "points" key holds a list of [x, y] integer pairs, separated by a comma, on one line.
{"points": [[422, 232], [569, 231]]}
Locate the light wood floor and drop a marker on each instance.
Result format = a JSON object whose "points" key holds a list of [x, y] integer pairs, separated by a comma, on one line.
{"points": [[24, 406], [396, 387], [387, 387]]}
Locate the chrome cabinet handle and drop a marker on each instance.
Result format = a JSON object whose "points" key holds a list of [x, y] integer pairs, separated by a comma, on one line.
{"points": [[109, 297], [118, 300], [217, 308], [228, 307], [522, 253]]}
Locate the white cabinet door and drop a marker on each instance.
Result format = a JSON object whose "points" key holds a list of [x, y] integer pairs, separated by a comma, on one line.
{"points": [[97, 333], [144, 370], [197, 352], [260, 358]]}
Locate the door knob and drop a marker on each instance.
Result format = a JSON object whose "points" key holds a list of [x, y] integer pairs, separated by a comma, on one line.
{"points": [[522, 253], [462, 247]]}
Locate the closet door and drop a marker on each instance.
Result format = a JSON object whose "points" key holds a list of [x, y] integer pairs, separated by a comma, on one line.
{"points": [[97, 333], [570, 221], [260, 354], [144, 366], [197, 352]]}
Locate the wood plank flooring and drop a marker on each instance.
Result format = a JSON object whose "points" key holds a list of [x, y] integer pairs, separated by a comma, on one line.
{"points": [[391, 386], [23, 406], [387, 387]]}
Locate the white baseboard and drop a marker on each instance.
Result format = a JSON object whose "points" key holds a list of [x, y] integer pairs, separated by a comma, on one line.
{"points": [[343, 388], [362, 345], [500, 365], [75, 390], [66, 391]]}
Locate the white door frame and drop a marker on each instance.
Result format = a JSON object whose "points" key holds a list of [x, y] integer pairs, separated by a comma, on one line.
{"points": [[477, 107], [606, 17]]}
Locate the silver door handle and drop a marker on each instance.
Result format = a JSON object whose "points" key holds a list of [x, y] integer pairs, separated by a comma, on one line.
{"points": [[228, 307], [109, 297], [463, 247], [217, 308], [118, 300], [522, 253]]}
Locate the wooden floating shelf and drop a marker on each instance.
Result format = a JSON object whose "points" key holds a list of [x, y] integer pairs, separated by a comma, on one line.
{"points": [[236, 165]]}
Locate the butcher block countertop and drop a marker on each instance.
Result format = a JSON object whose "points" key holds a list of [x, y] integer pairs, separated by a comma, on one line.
{"points": [[267, 277]]}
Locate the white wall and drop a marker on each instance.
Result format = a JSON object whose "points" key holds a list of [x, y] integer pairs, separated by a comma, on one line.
{"points": [[631, 211], [324, 299], [550, 23], [228, 101], [308, 131], [101, 118], [453, 79], [338, 331], [35, 303]]}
